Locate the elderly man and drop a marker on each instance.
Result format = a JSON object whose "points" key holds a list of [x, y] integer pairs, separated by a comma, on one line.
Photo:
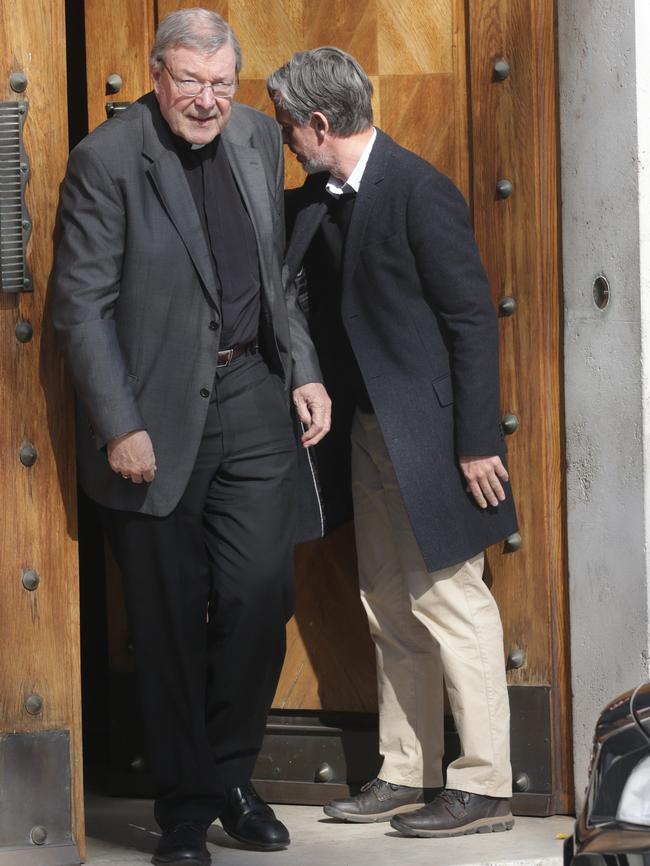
{"points": [[167, 300], [401, 316]]}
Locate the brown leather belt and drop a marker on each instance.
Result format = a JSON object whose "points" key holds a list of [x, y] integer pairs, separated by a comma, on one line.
{"points": [[227, 356]]}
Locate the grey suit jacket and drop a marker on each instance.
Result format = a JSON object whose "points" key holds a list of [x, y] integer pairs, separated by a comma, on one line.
{"points": [[134, 299]]}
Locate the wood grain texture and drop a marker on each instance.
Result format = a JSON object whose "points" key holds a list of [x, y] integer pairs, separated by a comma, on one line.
{"points": [[422, 66], [545, 27], [515, 136], [269, 33], [506, 130], [330, 657], [126, 52], [419, 113], [351, 25], [416, 37], [39, 631], [164, 7]]}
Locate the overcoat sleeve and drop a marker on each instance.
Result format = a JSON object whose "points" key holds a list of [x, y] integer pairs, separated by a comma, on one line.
{"points": [[456, 287]]}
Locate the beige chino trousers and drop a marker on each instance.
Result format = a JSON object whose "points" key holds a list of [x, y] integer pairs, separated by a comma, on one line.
{"points": [[426, 626]]}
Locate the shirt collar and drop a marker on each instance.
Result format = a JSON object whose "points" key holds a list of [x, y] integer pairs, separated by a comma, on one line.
{"points": [[337, 187], [193, 154]]}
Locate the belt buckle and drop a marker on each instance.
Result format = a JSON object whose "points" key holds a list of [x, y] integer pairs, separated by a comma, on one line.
{"points": [[229, 353]]}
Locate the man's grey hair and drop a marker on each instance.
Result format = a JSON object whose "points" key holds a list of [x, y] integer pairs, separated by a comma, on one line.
{"points": [[196, 29], [327, 80]]}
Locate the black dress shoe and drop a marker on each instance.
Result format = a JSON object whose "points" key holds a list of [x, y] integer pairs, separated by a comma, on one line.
{"points": [[248, 819], [457, 813], [379, 801], [182, 845]]}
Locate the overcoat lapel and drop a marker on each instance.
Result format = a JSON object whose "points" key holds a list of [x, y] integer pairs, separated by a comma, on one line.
{"points": [[371, 181], [309, 217], [307, 221], [167, 176]]}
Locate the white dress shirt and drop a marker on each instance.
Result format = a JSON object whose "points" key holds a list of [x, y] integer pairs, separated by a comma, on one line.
{"points": [[337, 187]]}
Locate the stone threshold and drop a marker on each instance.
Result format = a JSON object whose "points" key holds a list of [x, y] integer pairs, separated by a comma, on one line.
{"points": [[123, 833]]}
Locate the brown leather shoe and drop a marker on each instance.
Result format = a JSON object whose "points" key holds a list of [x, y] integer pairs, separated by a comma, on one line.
{"points": [[379, 801], [457, 813]]}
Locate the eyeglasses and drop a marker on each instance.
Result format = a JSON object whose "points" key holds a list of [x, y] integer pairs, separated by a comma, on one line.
{"points": [[189, 87]]}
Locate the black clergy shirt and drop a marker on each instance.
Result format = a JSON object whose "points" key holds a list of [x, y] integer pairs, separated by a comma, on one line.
{"points": [[231, 238]]}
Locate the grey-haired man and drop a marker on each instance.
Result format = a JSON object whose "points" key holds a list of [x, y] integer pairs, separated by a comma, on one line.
{"points": [[400, 314], [169, 305]]}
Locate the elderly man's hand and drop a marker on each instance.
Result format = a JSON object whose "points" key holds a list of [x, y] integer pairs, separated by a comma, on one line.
{"points": [[132, 456], [484, 476], [314, 409]]}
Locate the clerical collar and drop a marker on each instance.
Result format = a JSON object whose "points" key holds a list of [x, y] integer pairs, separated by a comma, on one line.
{"points": [[337, 187], [186, 148]]}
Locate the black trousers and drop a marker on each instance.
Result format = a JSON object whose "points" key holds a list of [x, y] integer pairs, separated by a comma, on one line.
{"points": [[208, 592]]}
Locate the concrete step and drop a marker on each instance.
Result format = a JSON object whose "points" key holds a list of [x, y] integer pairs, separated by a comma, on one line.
{"points": [[124, 833]]}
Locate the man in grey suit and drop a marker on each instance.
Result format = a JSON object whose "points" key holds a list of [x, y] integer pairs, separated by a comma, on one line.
{"points": [[168, 303], [401, 316]]}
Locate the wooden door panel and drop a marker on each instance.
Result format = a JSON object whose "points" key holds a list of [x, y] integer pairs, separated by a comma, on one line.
{"points": [[416, 37], [268, 32], [125, 53], [352, 25], [506, 141], [330, 660], [164, 7], [419, 112], [515, 137], [516, 247], [39, 628]]}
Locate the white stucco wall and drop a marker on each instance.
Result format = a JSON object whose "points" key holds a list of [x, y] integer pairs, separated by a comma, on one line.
{"points": [[604, 70]]}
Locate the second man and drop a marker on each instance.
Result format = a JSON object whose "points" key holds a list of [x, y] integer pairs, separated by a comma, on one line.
{"points": [[401, 316]]}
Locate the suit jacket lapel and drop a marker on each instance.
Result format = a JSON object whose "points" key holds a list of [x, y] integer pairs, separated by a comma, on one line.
{"points": [[250, 177], [252, 181], [168, 178]]}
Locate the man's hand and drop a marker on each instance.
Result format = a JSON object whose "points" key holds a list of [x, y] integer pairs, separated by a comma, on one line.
{"points": [[132, 457], [482, 475], [314, 409]]}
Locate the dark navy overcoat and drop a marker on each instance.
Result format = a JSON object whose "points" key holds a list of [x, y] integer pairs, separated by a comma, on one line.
{"points": [[416, 307]]}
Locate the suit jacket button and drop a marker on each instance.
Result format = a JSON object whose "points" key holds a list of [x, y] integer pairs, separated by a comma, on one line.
{"points": [[204, 392], [213, 325]]}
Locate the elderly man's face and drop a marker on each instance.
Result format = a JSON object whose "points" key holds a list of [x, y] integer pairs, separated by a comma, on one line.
{"points": [[197, 119], [303, 141]]}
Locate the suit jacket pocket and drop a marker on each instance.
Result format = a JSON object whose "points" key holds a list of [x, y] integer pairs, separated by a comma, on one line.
{"points": [[444, 390]]}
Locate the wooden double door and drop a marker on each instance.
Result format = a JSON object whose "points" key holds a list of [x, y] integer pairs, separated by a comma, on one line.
{"points": [[471, 86]]}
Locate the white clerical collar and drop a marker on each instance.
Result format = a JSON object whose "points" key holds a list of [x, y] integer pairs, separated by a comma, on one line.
{"points": [[337, 187]]}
